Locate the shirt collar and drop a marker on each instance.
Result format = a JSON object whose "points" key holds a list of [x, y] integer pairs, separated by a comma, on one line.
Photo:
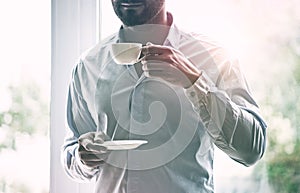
{"points": [[174, 35]]}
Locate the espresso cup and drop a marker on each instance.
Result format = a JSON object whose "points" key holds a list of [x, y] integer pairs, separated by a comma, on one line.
{"points": [[126, 53]]}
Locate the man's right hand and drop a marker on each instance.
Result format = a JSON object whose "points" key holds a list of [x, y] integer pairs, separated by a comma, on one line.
{"points": [[90, 150]]}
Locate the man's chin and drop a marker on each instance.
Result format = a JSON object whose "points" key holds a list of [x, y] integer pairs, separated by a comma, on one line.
{"points": [[132, 21], [129, 24]]}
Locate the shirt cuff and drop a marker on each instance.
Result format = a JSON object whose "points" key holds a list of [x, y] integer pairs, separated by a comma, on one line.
{"points": [[198, 92]]}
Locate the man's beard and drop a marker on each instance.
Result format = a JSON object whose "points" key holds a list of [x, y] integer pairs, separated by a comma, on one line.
{"points": [[132, 17]]}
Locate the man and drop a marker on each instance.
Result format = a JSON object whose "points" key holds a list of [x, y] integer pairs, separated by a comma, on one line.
{"points": [[186, 95]]}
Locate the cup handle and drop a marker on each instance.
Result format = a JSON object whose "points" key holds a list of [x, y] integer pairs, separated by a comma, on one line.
{"points": [[140, 59]]}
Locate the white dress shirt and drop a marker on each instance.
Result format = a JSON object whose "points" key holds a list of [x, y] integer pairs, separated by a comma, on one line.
{"points": [[180, 125]]}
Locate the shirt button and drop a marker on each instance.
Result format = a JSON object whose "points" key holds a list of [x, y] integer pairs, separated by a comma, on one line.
{"points": [[193, 94]]}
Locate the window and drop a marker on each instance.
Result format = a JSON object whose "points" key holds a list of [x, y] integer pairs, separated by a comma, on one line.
{"points": [[25, 96]]}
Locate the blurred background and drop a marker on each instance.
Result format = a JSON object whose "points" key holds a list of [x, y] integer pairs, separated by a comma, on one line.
{"points": [[263, 34]]}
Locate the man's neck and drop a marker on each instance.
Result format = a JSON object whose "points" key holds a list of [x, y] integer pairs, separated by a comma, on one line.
{"points": [[154, 32]]}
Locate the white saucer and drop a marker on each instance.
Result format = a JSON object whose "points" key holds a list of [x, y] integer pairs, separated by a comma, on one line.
{"points": [[123, 144]]}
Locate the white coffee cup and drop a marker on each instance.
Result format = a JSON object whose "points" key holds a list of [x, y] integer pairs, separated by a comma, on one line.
{"points": [[126, 53]]}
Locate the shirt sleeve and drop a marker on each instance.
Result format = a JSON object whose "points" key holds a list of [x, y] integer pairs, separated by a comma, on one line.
{"points": [[230, 114], [79, 121]]}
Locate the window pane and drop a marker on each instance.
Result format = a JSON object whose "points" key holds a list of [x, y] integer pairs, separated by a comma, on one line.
{"points": [[109, 21], [24, 87]]}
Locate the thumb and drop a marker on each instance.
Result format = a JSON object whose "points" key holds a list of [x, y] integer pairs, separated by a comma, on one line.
{"points": [[145, 49]]}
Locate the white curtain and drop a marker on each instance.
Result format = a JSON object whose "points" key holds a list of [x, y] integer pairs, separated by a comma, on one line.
{"points": [[74, 29]]}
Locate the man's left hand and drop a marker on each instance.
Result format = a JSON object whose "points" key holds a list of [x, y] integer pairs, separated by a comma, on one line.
{"points": [[169, 64]]}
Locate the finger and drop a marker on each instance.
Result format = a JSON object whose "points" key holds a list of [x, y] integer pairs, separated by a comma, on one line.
{"points": [[100, 137], [85, 143], [96, 147], [160, 58], [156, 64], [155, 49], [88, 146], [89, 135], [93, 157], [156, 74], [153, 66], [88, 157], [145, 48], [92, 164], [86, 138]]}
